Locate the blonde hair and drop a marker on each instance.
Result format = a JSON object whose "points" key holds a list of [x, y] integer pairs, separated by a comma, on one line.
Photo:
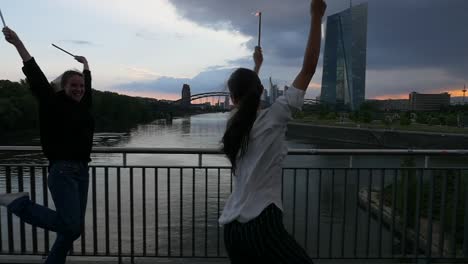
{"points": [[59, 83]]}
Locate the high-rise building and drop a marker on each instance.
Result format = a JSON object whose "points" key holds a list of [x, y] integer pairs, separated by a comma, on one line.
{"points": [[226, 102], [428, 102], [265, 97], [186, 95], [390, 104], [273, 91], [344, 63]]}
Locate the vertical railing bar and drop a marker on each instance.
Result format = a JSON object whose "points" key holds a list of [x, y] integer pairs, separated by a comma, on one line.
{"points": [[282, 185], [218, 213], [32, 182], [143, 184], [106, 208], [200, 160], [168, 212], [319, 211], [351, 161], [193, 212], [393, 206], [22, 227], [430, 216], [124, 161], [442, 216], [45, 200], [426, 162], [1, 236], [344, 213], [83, 239], [356, 212], [206, 212], [95, 239], [454, 216], [405, 211], [418, 213], [294, 203], [230, 186], [306, 227], [132, 223], [381, 203], [465, 225], [11, 245], [369, 207], [119, 217], [332, 215], [181, 230], [156, 212], [83, 233]]}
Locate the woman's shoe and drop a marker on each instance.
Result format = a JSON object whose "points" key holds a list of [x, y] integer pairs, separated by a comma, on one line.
{"points": [[8, 198]]}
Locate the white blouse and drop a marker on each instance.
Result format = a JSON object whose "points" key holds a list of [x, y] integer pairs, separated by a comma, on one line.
{"points": [[258, 174]]}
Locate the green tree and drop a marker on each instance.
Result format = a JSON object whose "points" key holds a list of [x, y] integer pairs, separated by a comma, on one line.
{"points": [[366, 116], [452, 120], [331, 116], [434, 121], [405, 120], [387, 121], [112, 111], [422, 118]]}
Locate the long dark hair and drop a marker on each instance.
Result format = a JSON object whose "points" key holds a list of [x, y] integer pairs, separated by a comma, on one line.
{"points": [[246, 89]]}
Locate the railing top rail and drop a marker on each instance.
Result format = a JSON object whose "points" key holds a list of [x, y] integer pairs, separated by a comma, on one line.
{"points": [[213, 151]]}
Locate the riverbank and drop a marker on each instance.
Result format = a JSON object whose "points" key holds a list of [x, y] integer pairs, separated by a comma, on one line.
{"points": [[377, 138], [415, 128], [394, 221]]}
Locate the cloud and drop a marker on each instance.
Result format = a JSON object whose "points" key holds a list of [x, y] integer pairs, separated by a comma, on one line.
{"points": [[78, 42], [141, 73], [404, 81], [206, 81], [402, 35], [416, 44], [149, 35], [213, 79], [315, 86]]}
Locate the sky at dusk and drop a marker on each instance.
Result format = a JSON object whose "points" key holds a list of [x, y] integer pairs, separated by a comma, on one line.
{"points": [[152, 47]]}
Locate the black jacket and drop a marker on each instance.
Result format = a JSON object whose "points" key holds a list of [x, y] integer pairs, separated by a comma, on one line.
{"points": [[66, 126]]}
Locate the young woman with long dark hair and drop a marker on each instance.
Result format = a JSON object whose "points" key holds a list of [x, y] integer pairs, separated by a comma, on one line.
{"points": [[254, 142]]}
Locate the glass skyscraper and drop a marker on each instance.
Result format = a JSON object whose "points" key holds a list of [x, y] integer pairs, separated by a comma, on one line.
{"points": [[344, 64]]}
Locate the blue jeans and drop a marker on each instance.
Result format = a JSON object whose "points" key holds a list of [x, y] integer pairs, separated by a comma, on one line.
{"points": [[68, 183]]}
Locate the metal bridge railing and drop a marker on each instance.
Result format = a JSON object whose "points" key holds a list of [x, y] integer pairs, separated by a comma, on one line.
{"points": [[348, 212]]}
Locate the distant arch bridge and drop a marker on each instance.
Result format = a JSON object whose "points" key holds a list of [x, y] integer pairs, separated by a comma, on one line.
{"points": [[223, 94], [204, 95]]}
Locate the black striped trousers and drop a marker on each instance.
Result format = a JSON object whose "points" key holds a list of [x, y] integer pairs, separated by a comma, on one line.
{"points": [[263, 240]]}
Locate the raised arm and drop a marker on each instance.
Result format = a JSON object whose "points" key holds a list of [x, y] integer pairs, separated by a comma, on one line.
{"points": [[87, 98], [83, 61], [38, 83], [13, 38], [258, 59], [312, 52]]}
